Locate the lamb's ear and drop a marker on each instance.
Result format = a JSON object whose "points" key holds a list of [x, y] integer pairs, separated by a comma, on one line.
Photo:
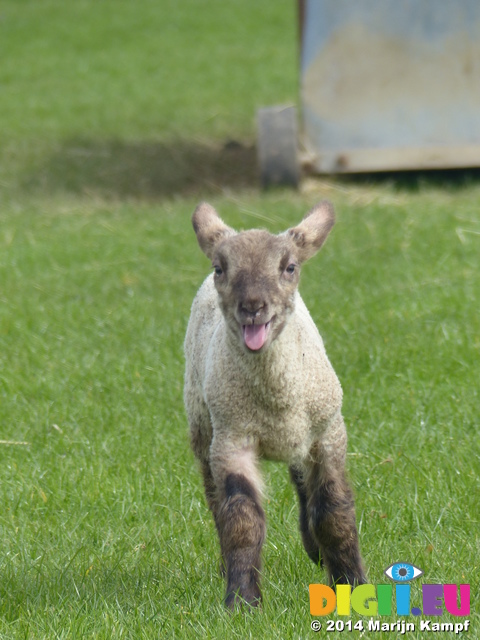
{"points": [[313, 230], [210, 228]]}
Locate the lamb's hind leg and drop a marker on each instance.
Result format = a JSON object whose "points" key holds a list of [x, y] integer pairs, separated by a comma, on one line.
{"points": [[211, 494], [241, 527], [210, 490], [331, 513], [309, 542]]}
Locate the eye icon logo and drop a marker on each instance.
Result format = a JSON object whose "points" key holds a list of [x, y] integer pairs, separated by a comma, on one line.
{"points": [[403, 572]]}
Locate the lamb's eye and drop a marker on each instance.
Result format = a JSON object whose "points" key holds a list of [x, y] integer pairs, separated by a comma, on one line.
{"points": [[290, 269], [218, 270]]}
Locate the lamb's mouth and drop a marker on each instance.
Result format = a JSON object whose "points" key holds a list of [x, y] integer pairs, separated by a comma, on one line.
{"points": [[255, 335]]}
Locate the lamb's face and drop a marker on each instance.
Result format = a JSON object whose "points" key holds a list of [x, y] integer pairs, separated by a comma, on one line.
{"points": [[256, 273], [256, 276]]}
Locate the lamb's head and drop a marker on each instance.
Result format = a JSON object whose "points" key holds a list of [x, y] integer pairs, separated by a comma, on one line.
{"points": [[257, 273]]}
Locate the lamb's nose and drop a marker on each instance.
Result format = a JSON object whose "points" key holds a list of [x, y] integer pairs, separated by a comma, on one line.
{"points": [[252, 308]]}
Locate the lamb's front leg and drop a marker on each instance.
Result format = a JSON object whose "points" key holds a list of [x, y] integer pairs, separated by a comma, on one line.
{"points": [[241, 525], [331, 513]]}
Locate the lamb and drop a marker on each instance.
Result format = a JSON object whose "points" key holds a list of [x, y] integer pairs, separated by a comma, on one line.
{"points": [[258, 383]]}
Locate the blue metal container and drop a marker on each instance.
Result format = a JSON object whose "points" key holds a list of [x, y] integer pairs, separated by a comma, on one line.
{"points": [[390, 84]]}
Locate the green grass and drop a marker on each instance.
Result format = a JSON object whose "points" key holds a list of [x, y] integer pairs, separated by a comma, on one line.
{"points": [[116, 118]]}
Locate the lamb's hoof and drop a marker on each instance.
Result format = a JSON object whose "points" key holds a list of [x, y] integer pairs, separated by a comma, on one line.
{"points": [[358, 577], [353, 578], [238, 600]]}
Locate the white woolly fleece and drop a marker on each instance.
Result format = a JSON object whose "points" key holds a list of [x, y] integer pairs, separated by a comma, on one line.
{"points": [[279, 404]]}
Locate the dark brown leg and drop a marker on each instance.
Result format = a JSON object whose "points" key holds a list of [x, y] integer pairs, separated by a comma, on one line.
{"points": [[309, 542], [241, 525], [212, 501], [210, 490], [332, 519]]}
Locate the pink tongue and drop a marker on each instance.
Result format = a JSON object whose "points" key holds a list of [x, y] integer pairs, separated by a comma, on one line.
{"points": [[254, 335]]}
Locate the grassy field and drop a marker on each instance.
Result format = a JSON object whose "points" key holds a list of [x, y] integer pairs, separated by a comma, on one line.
{"points": [[117, 117]]}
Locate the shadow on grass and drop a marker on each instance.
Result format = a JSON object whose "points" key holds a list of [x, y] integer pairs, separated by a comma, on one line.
{"points": [[118, 169], [415, 181]]}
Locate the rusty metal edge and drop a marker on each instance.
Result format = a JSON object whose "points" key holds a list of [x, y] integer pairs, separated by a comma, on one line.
{"points": [[397, 159]]}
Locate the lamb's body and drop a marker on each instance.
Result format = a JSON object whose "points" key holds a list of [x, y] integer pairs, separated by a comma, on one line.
{"points": [[258, 383], [291, 390]]}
